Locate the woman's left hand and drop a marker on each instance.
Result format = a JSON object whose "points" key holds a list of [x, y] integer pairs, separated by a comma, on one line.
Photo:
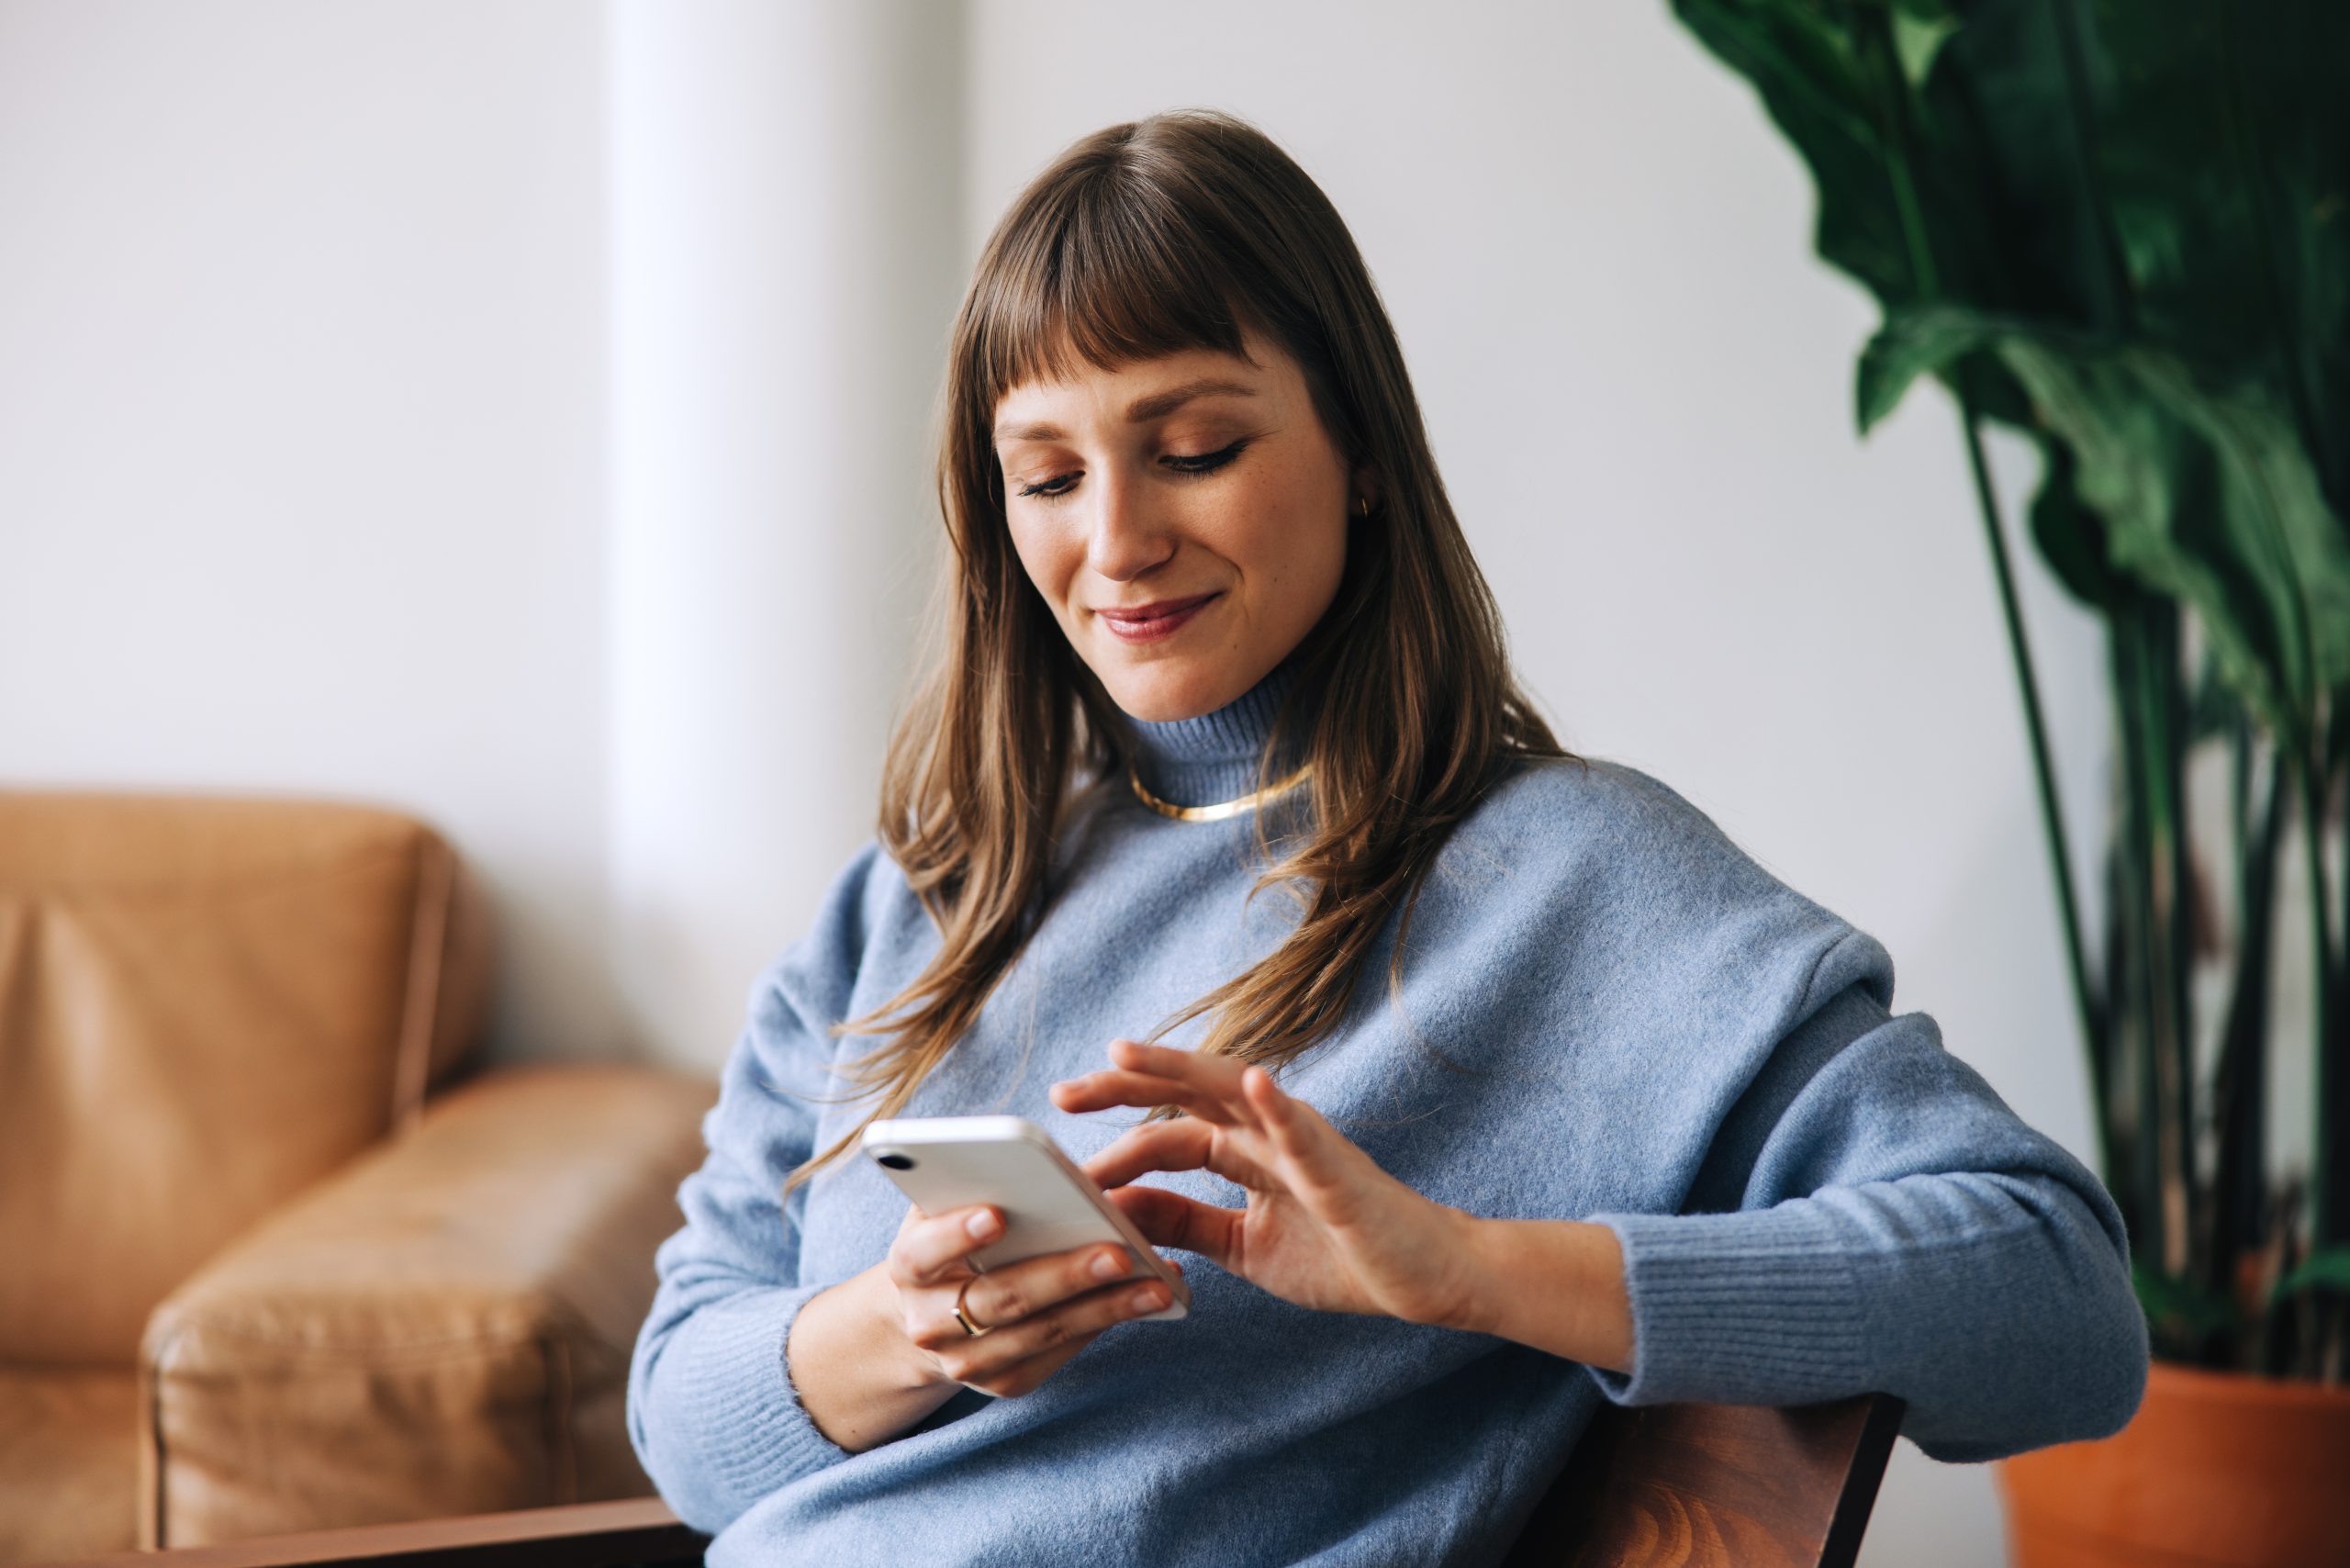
{"points": [[1325, 1226]]}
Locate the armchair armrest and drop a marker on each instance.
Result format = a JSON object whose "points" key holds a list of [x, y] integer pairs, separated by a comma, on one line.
{"points": [[442, 1328], [639, 1533]]}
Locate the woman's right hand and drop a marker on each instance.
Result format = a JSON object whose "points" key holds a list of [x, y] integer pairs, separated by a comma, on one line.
{"points": [[1034, 1314]]}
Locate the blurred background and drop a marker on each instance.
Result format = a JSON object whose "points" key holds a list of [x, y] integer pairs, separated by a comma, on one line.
{"points": [[517, 412]]}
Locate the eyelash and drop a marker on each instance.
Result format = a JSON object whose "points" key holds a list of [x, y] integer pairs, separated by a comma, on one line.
{"points": [[1194, 467]]}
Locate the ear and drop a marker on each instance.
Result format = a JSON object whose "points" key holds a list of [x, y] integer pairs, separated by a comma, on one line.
{"points": [[1362, 487]]}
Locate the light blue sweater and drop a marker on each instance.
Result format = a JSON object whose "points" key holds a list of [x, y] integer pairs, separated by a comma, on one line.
{"points": [[1607, 1011]]}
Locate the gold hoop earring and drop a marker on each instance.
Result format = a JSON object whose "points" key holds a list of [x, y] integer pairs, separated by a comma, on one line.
{"points": [[1362, 506]]}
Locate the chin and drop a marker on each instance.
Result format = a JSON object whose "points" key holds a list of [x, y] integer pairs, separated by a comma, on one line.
{"points": [[1156, 691]]}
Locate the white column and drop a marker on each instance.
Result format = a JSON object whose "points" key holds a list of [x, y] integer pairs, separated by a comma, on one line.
{"points": [[786, 254]]}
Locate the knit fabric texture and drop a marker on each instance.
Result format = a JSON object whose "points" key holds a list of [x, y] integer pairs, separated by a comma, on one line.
{"points": [[1606, 1011]]}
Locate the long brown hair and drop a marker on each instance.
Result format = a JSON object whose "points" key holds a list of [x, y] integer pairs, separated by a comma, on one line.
{"points": [[1180, 231]]}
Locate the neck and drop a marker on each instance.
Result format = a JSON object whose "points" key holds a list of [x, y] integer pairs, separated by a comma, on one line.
{"points": [[1217, 756]]}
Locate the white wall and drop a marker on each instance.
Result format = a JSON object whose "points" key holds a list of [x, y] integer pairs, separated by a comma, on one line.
{"points": [[507, 409], [1596, 249], [301, 410], [784, 233], [510, 412]]}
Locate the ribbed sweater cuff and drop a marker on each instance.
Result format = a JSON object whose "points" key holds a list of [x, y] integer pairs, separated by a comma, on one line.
{"points": [[742, 1401], [1756, 1308]]}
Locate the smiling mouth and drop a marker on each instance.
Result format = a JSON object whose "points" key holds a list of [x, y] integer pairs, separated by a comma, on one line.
{"points": [[1150, 622]]}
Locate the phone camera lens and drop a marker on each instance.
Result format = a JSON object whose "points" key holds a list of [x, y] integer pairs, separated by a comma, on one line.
{"points": [[895, 1161]]}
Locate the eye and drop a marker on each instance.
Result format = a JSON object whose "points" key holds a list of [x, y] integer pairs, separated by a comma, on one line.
{"points": [[1049, 489], [1190, 465], [1206, 462]]}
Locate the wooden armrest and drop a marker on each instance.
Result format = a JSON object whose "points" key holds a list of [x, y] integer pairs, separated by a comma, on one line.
{"points": [[640, 1532], [1715, 1486]]}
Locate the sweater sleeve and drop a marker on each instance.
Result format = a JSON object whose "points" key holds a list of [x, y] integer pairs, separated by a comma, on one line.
{"points": [[712, 1409], [1887, 1225]]}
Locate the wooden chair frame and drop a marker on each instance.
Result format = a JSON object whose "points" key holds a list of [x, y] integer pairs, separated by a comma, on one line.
{"points": [[1716, 1485]]}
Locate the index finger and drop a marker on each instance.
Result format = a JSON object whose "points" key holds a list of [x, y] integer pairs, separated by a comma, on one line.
{"points": [[1218, 1075], [1101, 1091], [1207, 1086]]}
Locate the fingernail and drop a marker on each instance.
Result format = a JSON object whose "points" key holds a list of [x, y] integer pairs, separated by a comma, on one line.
{"points": [[1151, 1298], [983, 1225], [1109, 1266]]}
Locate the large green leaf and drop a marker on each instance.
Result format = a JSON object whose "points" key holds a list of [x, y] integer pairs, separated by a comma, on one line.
{"points": [[2205, 496], [2187, 184], [2225, 148], [2210, 498], [1801, 60], [1914, 343], [2071, 536]]}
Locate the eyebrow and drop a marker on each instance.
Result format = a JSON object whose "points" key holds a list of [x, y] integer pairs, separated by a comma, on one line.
{"points": [[1158, 405]]}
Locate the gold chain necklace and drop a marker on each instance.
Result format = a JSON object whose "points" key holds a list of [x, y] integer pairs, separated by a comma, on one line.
{"points": [[1222, 809]]}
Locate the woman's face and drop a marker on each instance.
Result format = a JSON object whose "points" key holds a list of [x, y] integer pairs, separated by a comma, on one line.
{"points": [[1185, 517]]}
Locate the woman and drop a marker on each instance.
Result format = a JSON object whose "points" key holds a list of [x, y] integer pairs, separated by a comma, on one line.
{"points": [[1494, 1081]]}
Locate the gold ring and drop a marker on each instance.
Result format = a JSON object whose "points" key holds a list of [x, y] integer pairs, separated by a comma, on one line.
{"points": [[969, 1327]]}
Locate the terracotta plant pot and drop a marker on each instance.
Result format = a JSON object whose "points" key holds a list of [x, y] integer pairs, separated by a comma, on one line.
{"points": [[2221, 1469]]}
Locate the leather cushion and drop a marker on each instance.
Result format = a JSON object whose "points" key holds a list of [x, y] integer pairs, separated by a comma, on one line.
{"points": [[204, 1006], [442, 1328]]}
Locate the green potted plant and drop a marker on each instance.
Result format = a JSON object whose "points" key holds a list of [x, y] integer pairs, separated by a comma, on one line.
{"points": [[2123, 231]]}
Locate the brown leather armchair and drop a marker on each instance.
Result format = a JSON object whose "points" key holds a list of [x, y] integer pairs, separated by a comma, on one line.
{"points": [[268, 1263]]}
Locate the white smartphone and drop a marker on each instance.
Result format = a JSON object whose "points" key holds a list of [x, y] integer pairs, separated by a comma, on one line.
{"points": [[1013, 1165]]}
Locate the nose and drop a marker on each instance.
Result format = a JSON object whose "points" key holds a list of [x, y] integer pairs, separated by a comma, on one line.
{"points": [[1125, 538]]}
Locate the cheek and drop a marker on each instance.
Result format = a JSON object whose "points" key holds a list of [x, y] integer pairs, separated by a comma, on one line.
{"points": [[1297, 537], [1046, 554]]}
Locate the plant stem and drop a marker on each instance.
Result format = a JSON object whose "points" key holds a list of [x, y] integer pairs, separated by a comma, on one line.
{"points": [[2237, 1214], [2044, 765], [2148, 689], [2329, 1181], [2136, 981], [2325, 1213], [1891, 89], [2173, 911]]}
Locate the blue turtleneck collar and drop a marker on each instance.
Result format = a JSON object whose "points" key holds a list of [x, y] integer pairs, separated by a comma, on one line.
{"points": [[1216, 756]]}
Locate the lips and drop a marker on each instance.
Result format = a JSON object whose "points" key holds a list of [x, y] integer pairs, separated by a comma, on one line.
{"points": [[1149, 623], [1158, 609]]}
